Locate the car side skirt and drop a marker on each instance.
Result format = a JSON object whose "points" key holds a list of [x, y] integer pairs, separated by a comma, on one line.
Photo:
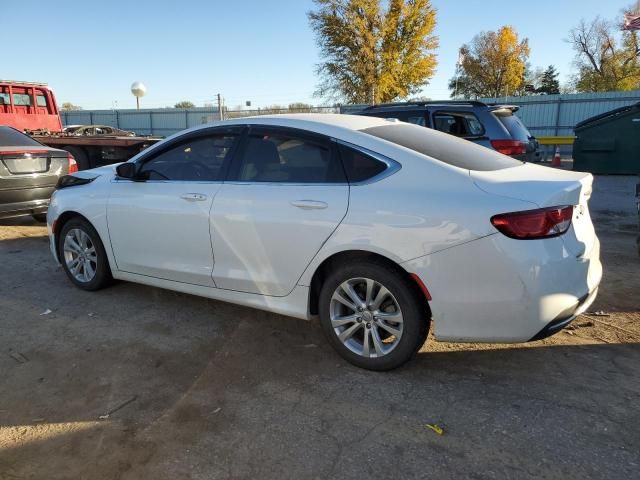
{"points": [[293, 305]]}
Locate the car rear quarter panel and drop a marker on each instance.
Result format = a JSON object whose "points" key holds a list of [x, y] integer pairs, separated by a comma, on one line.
{"points": [[424, 208]]}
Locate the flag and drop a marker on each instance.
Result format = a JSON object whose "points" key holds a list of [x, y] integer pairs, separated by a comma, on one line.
{"points": [[631, 22]]}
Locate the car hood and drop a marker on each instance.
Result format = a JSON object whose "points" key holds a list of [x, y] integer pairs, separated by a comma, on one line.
{"points": [[107, 170]]}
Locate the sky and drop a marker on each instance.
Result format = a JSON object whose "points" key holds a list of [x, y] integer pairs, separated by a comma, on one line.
{"points": [[261, 51]]}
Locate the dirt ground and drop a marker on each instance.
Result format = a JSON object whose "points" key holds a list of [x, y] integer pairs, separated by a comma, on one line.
{"points": [[136, 382]]}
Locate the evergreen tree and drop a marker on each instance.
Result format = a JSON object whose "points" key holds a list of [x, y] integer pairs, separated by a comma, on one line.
{"points": [[549, 83]]}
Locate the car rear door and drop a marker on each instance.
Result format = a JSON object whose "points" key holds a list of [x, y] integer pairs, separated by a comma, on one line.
{"points": [[285, 195], [159, 226]]}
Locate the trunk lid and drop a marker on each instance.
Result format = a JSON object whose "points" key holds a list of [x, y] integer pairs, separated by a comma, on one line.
{"points": [[547, 187], [24, 170], [31, 160]]}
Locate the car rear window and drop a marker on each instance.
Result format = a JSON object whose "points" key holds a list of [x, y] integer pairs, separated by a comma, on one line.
{"points": [[10, 137], [515, 126], [460, 124], [443, 147]]}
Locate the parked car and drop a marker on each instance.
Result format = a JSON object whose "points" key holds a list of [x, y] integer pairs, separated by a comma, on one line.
{"points": [[89, 130], [375, 226], [492, 126], [29, 172]]}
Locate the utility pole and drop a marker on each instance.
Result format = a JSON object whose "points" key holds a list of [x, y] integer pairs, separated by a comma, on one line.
{"points": [[220, 114]]}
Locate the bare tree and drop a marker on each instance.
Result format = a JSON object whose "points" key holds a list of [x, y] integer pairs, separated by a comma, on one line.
{"points": [[70, 107], [606, 59]]}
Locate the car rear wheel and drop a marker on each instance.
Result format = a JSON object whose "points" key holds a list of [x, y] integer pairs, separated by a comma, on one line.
{"points": [[372, 315], [83, 256], [80, 156]]}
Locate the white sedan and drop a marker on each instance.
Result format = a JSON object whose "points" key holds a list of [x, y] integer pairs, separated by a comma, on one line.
{"points": [[377, 227]]}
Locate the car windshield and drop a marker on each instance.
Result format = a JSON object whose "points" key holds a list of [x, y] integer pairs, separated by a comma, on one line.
{"points": [[10, 137], [515, 126], [443, 147]]}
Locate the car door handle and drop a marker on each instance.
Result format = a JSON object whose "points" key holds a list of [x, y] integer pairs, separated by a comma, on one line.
{"points": [[309, 204], [194, 197]]}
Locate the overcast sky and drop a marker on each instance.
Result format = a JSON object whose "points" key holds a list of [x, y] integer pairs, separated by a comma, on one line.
{"points": [[263, 51]]}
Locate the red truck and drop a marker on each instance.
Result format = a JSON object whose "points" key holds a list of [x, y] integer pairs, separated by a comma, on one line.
{"points": [[31, 107]]}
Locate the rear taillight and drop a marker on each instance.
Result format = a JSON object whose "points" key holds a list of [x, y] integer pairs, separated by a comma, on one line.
{"points": [[532, 224], [509, 147], [73, 166]]}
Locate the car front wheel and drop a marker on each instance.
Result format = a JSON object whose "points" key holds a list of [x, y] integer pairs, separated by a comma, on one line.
{"points": [[83, 256], [373, 315]]}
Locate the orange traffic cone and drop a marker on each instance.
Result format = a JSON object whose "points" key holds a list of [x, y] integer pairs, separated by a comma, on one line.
{"points": [[556, 158]]}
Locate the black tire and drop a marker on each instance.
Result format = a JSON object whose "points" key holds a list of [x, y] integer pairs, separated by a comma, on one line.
{"points": [[80, 156], [40, 217], [414, 309], [102, 277]]}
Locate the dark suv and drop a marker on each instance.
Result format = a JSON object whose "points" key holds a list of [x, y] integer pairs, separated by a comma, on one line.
{"points": [[492, 126]]}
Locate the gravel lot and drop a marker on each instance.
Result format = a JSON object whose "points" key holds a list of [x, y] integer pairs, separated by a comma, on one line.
{"points": [[209, 390]]}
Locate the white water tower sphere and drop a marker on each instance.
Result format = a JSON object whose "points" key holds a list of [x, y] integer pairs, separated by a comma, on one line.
{"points": [[138, 89]]}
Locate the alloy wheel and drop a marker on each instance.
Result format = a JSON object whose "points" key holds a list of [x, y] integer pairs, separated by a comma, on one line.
{"points": [[80, 255], [366, 317]]}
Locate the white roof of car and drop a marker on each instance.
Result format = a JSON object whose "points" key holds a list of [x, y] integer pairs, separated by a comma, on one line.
{"points": [[319, 122], [352, 122]]}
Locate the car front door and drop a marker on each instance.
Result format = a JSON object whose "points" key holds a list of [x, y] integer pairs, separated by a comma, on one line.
{"points": [[285, 195], [159, 225]]}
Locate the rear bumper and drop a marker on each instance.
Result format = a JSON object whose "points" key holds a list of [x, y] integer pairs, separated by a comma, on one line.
{"points": [[31, 207], [497, 289], [566, 317]]}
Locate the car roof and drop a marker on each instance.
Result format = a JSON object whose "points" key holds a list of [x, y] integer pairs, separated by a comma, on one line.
{"points": [[316, 122], [309, 120]]}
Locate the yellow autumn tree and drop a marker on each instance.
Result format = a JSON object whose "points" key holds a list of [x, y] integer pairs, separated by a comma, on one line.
{"points": [[493, 64], [371, 53]]}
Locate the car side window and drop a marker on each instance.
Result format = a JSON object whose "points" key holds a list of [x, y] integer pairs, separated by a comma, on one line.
{"points": [[288, 158], [415, 117], [416, 120], [22, 99], [460, 124], [196, 159], [359, 166]]}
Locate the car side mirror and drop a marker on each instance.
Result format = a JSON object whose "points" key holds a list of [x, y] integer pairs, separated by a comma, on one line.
{"points": [[127, 170]]}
